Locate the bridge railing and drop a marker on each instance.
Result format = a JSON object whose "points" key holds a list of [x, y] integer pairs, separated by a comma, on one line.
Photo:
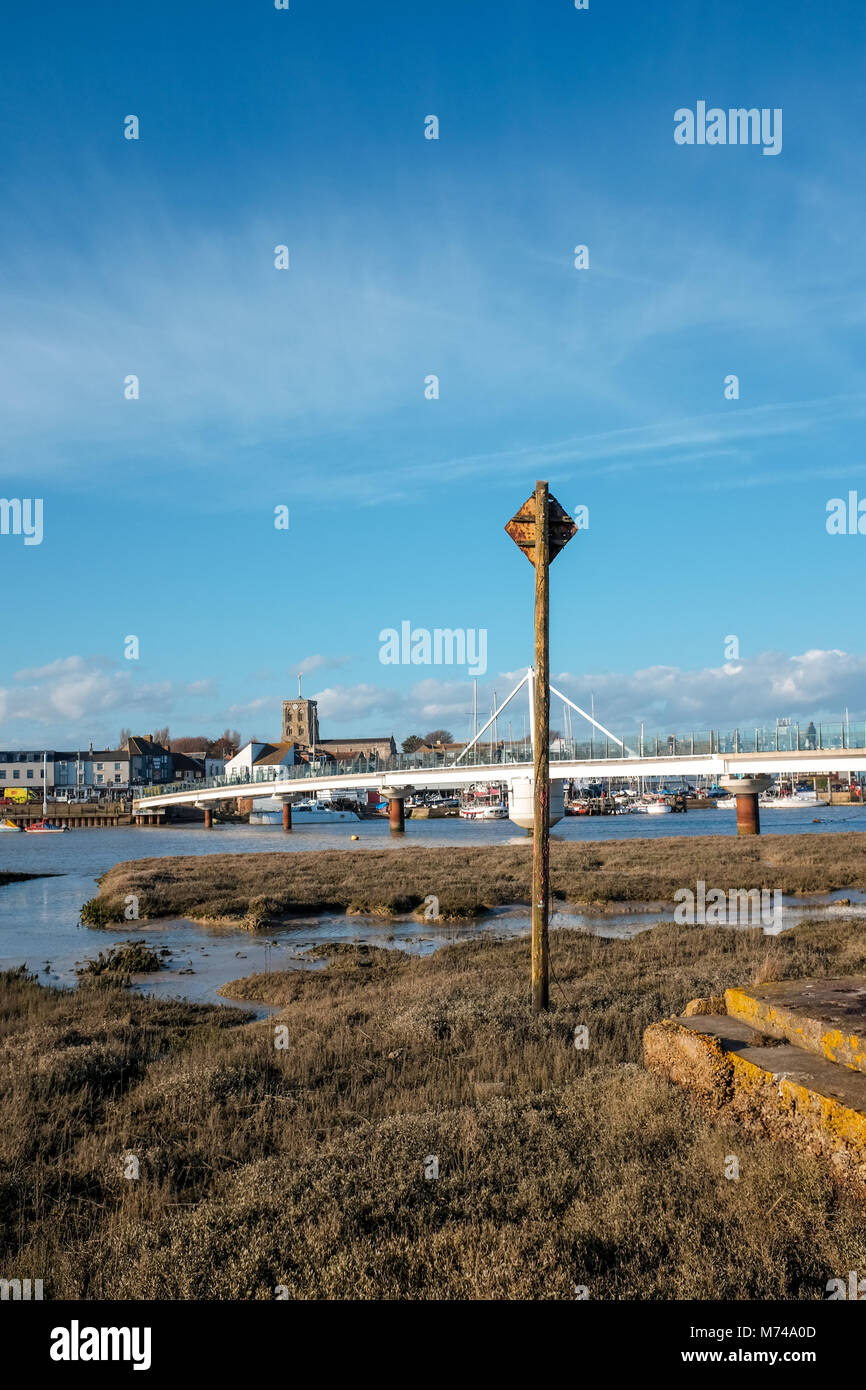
{"points": [[779, 738]]}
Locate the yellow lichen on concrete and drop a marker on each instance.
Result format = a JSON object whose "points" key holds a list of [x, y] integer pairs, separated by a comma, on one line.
{"points": [[764, 1100], [848, 1050], [742, 1005], [839, 1047]]}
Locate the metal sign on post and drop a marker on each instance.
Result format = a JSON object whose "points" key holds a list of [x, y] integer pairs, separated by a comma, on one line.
{"points": [[541, 528]]}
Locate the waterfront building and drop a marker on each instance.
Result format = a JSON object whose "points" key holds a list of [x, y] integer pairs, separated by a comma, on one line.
{"points": [[355, 748], [69, 773], [258, 754], [149, 763], [186, 767]]}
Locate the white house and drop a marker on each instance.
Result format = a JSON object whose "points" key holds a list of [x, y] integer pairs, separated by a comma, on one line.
{"points": [[254, 756]]}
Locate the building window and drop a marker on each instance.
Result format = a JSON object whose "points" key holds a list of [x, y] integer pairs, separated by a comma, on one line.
{"points": [[99, 767], [30, 772], [99, 778], [16, 775], [117, 769]]}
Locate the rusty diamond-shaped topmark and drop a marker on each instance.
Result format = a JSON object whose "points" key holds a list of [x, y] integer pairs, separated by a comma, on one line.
{"points": [[521, 527]]}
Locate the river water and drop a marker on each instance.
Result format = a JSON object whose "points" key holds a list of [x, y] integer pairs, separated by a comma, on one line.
{"points": [[40, 925]]}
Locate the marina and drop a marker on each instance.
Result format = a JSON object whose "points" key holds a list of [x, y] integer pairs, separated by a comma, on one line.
{"points": [[269, 811]]}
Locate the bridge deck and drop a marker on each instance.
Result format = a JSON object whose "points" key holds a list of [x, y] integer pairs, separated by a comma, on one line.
{"points": [[287, 781]]}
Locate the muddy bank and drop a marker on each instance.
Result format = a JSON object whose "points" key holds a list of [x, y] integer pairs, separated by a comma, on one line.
{"points": [[455, 883], [7, 877]]}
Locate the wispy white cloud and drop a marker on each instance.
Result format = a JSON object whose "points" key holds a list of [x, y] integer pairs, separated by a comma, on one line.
{"points": [[248, 709], [742, 693], [321, 663], [747, 692], [665, 444], [79, 690], [343, 340], [73, 696], [341, 702]]}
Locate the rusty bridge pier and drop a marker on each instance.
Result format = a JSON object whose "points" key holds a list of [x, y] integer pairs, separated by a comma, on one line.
{"points": [[746, 790], [396, 798]]}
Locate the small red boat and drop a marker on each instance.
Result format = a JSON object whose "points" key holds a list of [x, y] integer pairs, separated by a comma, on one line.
{"points": [[45, 827]]}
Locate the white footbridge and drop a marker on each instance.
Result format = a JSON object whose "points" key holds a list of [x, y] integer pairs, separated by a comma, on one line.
{"points": [[784, 749]]}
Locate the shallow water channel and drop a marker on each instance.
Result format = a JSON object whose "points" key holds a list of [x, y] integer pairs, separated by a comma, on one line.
{"points": [[40, 923]]}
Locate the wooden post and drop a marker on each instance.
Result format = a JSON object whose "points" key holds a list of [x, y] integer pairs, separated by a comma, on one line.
{"points": [[541, 770], [540, 529]]}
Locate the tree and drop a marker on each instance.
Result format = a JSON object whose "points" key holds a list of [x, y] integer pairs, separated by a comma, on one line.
{"points": [[439, 736], [124, 737], [162, 736], [226, 745], [411, 743], [190, 744]]}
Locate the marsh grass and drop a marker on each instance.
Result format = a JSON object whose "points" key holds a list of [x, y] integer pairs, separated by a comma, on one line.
{"points": [[303, 1166], [254, 890], [123, 961]]}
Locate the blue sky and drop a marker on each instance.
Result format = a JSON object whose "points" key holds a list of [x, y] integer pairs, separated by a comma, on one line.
{"points": [[409, 257]]}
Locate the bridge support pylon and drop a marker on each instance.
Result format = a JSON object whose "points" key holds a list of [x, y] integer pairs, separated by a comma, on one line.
{"points": [[287, 815], [746, 791], [396, 798], [208, 820], [521, 802]]}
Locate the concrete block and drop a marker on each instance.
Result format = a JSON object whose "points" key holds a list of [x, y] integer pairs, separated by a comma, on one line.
{"points": [[824, 1017]]}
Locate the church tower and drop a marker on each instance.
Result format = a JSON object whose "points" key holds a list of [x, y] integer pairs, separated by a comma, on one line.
{"points": [[300, 720]]}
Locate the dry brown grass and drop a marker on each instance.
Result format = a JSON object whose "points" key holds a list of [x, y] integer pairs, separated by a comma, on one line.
{"points": [[261, 888], [303, 1167]]}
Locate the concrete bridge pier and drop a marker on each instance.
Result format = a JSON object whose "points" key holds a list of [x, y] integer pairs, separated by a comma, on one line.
{"points": [[396, 798], [746, 790], [521, 803]]}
